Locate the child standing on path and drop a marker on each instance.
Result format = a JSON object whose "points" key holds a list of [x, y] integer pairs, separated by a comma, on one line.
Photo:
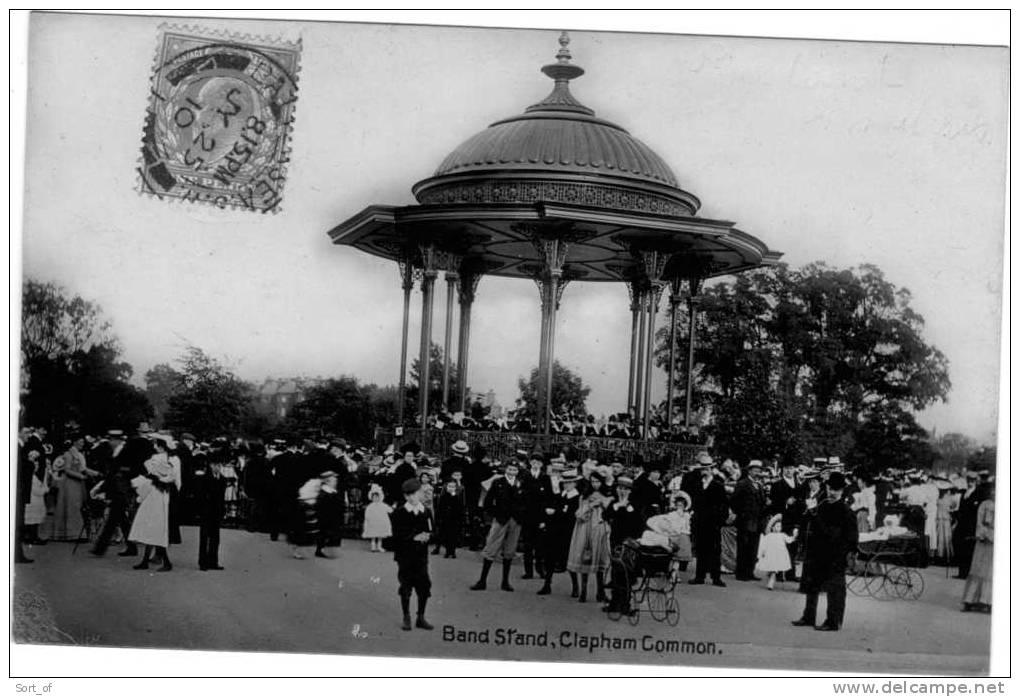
{"points": [[377, 519], [773, 556]]}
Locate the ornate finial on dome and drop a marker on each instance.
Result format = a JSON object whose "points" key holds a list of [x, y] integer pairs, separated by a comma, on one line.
{"points": [[562, 71], [563, 55]]}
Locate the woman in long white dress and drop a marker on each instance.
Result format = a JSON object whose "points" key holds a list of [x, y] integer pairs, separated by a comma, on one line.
{"points": [[151, 526]]}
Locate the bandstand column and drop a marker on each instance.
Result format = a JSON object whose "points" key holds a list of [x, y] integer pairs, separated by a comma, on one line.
{"points": [[452, 277], [407, 277], [553, 252], [695, 285], [654, 293], [674, 305], [634, 288], [429, 274], [466, 286], [639, 370], [654, 262]]}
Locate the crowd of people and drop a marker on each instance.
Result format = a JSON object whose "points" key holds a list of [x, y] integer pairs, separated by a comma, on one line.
{"points": [[562, 513], [622, 425]]}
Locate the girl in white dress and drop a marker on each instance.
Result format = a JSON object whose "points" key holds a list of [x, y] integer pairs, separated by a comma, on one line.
{"points": [[377, 519], [773, 556]]}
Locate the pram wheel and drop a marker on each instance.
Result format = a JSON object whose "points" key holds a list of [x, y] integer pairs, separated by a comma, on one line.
{"points": [[905, 583], [672, 611], [657, 605]]}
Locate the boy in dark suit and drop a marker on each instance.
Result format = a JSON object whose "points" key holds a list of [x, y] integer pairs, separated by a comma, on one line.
{"points": [[412, 528], [450, 511], [209, 502]]}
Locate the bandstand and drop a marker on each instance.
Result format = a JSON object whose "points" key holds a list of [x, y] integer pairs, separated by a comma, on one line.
{"points": [[555, 195]]}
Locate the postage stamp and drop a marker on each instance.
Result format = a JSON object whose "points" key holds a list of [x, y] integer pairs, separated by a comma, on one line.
{"points": [[218, 125]]}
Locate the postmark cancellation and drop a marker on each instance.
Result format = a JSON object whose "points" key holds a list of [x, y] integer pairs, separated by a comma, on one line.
{"points": [[218, 125]]}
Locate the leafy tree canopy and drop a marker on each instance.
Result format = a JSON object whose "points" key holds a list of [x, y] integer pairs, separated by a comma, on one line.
{"points": [[569, 393]]}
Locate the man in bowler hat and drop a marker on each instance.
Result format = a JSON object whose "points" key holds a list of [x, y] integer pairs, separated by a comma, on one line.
{"points": [[833, 536]]}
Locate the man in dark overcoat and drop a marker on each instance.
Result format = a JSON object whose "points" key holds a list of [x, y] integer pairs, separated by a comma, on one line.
{"points": [[412, 529], [558, 527], [786, 498], [748, 505], [966, 524], [709, 511], [127, 461], [647, 497], [538, 493], [833, 536], [208, 500]]}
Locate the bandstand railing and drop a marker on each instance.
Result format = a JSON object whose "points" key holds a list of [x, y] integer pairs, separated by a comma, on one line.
{"points": [[501, 445]]}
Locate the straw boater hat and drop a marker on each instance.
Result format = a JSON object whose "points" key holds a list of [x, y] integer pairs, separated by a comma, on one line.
{"points": [[570, 476], [460, 447], [625, 482]]}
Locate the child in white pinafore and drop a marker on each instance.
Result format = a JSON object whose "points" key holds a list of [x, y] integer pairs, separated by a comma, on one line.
{"points": [[377, 519], [773, 556]]}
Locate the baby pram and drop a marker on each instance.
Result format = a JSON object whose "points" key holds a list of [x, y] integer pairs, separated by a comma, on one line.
{"points": [[647, 579]]}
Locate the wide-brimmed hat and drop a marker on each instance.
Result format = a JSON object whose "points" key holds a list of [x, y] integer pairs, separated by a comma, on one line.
{"points": [[460, 447], [704, 459], [625, 482], [778, 517], [410, 447], [164, 438], [410, 486], [754, 464], [685, 497]]}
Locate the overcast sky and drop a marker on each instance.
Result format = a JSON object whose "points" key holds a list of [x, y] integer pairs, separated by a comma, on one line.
{"points": [[891, 154]]}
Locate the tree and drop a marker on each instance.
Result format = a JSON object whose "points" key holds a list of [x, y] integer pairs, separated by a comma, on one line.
{"points": [[343, 407], [55, 327], [839, 347], [435, 383], [757, 421], [211, 400], [569, 393], [71, 367], [889, 436], [162, 381]]}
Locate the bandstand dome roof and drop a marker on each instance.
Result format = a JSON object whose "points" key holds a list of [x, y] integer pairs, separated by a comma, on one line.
{"points": [[559, 166], [558, 150]]}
